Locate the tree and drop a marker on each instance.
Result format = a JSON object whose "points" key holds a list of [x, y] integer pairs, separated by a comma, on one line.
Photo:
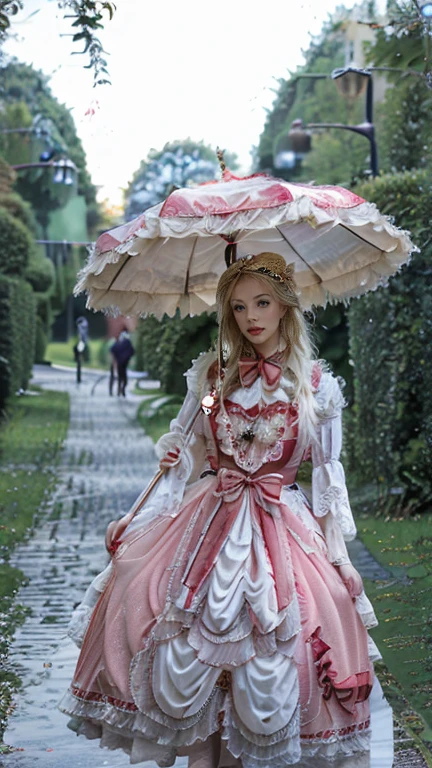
{"points": [[178, 164], [86, 19], [404, 119], [25, 96], [316, 100]]}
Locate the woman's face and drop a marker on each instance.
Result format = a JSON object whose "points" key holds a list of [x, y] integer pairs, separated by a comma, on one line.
{"points": [[257, 313]]}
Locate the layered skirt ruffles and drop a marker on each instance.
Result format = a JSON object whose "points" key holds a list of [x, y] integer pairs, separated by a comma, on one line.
{"points": [[228, 618]]}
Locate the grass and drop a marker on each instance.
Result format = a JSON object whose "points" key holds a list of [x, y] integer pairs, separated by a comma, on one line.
{"points": [[155, 419], [403, 605], [61, 353], [31, 437]]}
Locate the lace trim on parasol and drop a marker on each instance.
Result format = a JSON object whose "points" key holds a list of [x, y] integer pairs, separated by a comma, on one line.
{"points": [[139, 302]]}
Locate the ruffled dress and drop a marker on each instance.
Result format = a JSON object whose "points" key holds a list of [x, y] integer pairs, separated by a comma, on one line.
{"points": [[222, 611]]}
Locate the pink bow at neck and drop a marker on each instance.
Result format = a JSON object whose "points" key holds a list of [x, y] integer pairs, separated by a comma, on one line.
{"points": [[267, 367]]}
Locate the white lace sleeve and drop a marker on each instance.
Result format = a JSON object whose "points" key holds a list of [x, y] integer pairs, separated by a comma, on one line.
{"points": [[329, 492], [186, 430], [186, 433]]}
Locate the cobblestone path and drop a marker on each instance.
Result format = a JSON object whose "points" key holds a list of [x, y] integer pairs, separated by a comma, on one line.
{"points": [[106, 462]]}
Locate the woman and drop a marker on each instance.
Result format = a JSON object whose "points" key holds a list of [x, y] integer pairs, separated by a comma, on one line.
{"points": [[231, 625]]}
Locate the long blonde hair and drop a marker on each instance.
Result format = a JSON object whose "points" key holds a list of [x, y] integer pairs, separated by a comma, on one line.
{"points": [[298, 355]]}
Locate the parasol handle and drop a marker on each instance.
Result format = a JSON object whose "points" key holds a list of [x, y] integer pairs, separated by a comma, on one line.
{"points": [[142, 498], [230, 254]]}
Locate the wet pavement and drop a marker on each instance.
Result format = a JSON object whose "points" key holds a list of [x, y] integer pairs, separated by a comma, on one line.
{"points": [[106, 462]]}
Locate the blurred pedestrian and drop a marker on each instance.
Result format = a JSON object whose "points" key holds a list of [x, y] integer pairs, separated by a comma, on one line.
{"points": [[122, 351], [81, 347]]}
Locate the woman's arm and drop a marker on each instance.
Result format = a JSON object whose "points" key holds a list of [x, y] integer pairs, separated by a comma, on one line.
{"points": [[183, 448], [330, 502]]}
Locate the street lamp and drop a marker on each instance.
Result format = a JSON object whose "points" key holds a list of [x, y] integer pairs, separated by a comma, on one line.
{"points": [[352, 82], [64, 170], [426, 10], [291, 149]]}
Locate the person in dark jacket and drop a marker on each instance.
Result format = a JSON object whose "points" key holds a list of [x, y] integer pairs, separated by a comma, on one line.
{"points": [[122, 350]]}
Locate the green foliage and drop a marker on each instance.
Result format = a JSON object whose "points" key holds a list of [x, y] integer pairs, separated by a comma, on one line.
{"points": [[16, 245], [88, 17], [19, 209], [32, 437], [156, 413], [40, 272], [390, 440], [330, 331], [23, 84], [337, 156], [405, 41], [178, 164], [41, 341], [165, 348], [17, 335], [332, 159], [404, 605], [8, 8], [16, 147], [404, 118]]}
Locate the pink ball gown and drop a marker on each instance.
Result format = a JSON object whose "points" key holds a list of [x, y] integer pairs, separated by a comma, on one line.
{"points": [[223, 610]]}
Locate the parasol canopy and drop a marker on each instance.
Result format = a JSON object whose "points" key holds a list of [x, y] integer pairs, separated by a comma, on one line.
{"points": [[171, 257]]}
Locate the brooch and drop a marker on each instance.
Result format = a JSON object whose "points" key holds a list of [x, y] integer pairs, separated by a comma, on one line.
{"points": [[208, 402]]}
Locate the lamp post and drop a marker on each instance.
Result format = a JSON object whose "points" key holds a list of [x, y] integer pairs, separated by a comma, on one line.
{"points": [[426, 10], [64, 170], [352, 82], [292, 148]]}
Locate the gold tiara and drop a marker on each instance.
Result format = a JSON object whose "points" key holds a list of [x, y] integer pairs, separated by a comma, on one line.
{"points": [[271, 264]]}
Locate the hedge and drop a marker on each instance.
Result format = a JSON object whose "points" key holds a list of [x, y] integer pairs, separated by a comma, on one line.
{"points": [[390, 436], [40, 273], [165, 348], [20, 209], [17, 245], [17, 335]]}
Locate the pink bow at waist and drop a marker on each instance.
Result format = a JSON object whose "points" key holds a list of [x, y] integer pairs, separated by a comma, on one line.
{"points": [[263, 497], [266, 489]]}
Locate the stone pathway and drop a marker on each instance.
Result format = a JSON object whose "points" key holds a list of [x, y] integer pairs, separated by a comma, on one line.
{"points": [[106, 461]]}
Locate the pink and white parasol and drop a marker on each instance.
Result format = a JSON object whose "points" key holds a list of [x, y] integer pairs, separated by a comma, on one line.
{"points": [[171, 257]]}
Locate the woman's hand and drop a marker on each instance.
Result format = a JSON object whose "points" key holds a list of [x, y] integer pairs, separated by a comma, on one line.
{"points": [[351, 578], [114, 532], [171, 458]]}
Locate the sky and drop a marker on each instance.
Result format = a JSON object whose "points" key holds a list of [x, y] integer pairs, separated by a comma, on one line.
{"points": [[178, 69]]}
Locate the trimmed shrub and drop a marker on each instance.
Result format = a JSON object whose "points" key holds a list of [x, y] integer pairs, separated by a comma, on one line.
{"points": [[17, 335], [40, 273], [16, 245], [165, 348], [390, 440], [20, 209], [41, 340]]}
